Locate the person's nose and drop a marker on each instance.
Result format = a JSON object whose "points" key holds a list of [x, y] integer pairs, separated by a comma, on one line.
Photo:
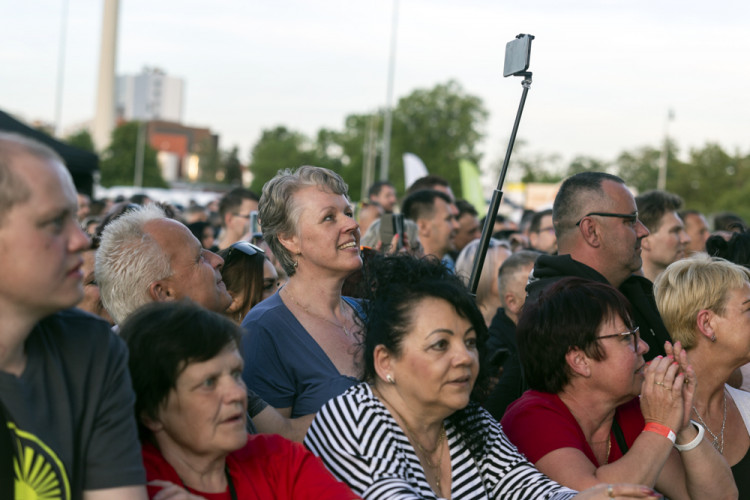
{"points": [[684, 237], [641, 230], [79, 240], [463, 355], [236, 390], [215, 260], [643, 347]]}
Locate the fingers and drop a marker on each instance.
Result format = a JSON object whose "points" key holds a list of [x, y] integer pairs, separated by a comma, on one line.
{"points": [[619, 491]]}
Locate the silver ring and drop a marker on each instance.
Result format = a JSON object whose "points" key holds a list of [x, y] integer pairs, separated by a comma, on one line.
{"points": [[610, 491]]}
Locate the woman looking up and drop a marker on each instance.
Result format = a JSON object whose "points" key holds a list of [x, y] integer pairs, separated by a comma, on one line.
{"points": [[300, 344]]}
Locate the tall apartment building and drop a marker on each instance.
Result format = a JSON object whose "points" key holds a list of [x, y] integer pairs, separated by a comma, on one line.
{"points": [[149, 95]]}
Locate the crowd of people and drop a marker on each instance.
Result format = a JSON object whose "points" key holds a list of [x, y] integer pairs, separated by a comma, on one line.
{"points": [[274, 346]]}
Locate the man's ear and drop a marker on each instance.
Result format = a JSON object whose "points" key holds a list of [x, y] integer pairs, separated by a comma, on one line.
{"points": [[590, 232], [423, 227], [159, 291], [646, 244], [578, 362]]}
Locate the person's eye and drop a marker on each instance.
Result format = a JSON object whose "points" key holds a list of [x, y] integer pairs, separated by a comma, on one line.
{"points": [[209, 383], [440, 345], [471, 343], [237, 374]]}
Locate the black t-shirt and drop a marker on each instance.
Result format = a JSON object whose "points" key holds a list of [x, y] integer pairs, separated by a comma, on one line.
{"points": [[71, 409]]}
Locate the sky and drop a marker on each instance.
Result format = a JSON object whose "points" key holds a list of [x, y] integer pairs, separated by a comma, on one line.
{"points": [[606, 72]]}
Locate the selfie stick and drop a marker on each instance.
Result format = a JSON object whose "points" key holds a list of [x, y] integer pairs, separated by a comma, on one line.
{"points": [[497, 195]]}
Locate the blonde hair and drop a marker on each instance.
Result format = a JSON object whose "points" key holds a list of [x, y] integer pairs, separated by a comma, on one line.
{"points": [[690, 285]]}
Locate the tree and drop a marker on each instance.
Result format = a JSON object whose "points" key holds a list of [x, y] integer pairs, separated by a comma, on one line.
{"points": [[82, 140], [118, 161], [586, 164], [441, 125], [277, 149], [231, 167]]}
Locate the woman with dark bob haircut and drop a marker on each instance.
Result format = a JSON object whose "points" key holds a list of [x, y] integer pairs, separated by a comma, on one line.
{"points": [[191, 406], [582, 423], [411, 429]]}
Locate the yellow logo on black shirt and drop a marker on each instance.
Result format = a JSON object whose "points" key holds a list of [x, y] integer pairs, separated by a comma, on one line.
{"points": [[40, 475]]}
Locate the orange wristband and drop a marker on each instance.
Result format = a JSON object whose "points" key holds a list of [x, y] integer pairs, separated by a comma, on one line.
{"points": [[662, 430]]}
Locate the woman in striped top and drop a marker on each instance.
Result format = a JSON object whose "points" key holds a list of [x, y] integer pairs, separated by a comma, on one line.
{"points": [[411, 431]]}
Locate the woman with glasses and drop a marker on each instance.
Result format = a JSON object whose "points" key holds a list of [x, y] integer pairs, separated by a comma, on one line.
{"points": [[249, 276], [582, 423], [705, 303], [300, 344]]}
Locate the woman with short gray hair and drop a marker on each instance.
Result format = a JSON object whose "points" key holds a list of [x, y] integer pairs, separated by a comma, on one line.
{"points": [[299, 345]]}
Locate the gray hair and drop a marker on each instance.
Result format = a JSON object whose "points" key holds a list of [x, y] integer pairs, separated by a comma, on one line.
{"points": [[278, 213], [465, 264], [129, 260], [13, 190]]}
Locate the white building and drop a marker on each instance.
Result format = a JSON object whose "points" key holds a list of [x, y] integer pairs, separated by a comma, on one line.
{"points": [[149, 95]]}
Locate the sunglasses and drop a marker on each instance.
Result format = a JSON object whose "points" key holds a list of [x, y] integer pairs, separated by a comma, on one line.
{"points": [[631, 218], [245, 247]]}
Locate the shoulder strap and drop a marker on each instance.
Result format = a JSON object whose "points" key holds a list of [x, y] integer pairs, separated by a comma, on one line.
{"points": [[619, 436]]}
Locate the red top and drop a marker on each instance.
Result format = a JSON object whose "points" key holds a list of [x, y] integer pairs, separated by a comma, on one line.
{"points": [[539, 423], [268, 466]]}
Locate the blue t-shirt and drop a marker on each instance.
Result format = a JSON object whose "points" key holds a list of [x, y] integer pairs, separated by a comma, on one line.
{"points": [[284, 364]]}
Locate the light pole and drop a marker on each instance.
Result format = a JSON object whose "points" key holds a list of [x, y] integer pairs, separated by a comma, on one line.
{"points": [[389, 98]]}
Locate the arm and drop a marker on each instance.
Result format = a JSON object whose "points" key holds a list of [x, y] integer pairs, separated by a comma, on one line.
{"points": [[276, 421], [125, 493]]}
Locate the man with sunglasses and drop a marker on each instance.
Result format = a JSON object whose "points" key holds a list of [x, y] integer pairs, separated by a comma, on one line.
{"points": [[599, 238]]}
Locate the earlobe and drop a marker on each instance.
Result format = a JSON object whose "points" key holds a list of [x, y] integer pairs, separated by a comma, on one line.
{"points": [[382, 362], [578, 362], [704, 322], [646, 244], [159, 292], [151, 424], [291, 243]]}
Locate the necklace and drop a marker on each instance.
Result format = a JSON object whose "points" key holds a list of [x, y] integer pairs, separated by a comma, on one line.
{"points": [[341, 326], [723, 423], [426, 453]]}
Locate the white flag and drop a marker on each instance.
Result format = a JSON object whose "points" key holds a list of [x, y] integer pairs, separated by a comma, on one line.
{"points": [[413, 169]]}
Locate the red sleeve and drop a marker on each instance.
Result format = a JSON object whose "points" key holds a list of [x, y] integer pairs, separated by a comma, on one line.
{"points": [[539, 423], [288, 470]]}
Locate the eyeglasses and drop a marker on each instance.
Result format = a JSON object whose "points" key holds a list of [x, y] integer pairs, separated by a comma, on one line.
{"points": [[245, 247], [634, 333], [243, 215], [632, 218]]}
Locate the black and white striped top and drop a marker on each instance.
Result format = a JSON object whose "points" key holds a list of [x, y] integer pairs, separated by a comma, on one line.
{"points": [[361, 443]]}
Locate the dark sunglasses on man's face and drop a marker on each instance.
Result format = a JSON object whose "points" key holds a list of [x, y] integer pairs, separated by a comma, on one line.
{"points": [[245, 247]]}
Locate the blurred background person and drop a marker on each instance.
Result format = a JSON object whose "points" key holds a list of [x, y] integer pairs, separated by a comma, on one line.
{"points": [[433, 212], [368, 213], [249, 276], [235, 208], [468, 230], [697, 228], [300, 344], [383, 193], [583, 359], [205, 233], [191, 406], [704, 303], [487, 295], [667, 240], [542, 233], [92, 300], [502, 348]]}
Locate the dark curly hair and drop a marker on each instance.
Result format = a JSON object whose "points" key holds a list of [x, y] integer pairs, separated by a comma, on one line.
{"points": [[392, 287]]}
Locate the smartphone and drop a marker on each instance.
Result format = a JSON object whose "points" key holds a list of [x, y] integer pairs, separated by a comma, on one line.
{"points": [[391, 224], [517, 55], [254, 226]]}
